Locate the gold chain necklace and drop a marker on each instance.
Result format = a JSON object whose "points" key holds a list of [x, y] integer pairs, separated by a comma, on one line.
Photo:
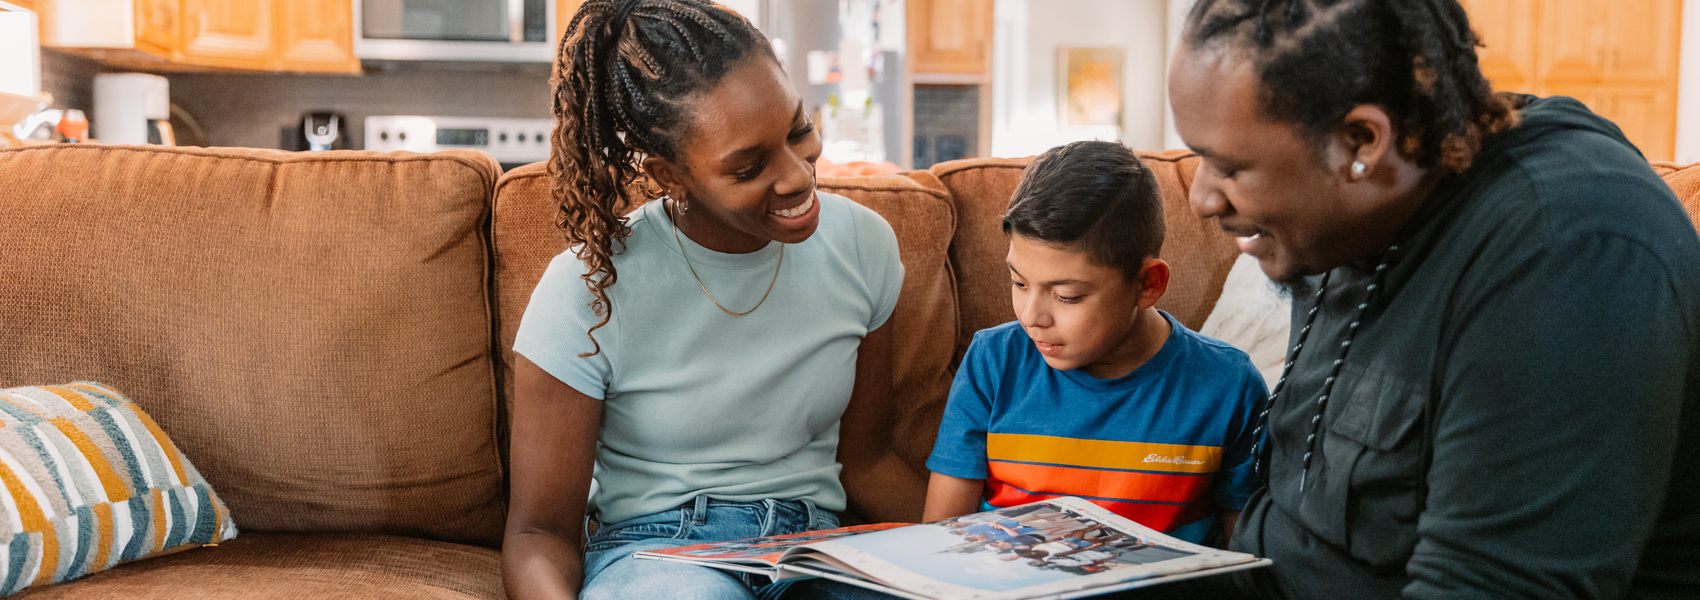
{"points": [[674, 219]]}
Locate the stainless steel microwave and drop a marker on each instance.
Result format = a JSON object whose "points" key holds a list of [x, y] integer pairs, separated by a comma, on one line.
{"points": [[472, 30]]}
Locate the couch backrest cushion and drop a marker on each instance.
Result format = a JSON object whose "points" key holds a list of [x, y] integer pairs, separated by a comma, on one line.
{"points": [[1685, 181], [924, 321], [1198, 252], [919, 209], [313, 329]]}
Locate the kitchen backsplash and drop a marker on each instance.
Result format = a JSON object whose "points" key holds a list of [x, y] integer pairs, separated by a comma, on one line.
{"points": [[947, 123], [70, 78], [254, 110]]}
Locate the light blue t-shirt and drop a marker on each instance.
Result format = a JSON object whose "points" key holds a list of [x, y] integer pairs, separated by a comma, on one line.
{"points": [[699, 402]]}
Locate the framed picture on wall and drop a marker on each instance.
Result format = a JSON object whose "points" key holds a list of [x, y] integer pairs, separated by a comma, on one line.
{"points": [[1089, 87]]}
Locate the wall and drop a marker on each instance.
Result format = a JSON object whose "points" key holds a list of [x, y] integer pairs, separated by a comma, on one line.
{"points": [[1176, 22], [1688, 88], [1026, 38], [239, 109]]}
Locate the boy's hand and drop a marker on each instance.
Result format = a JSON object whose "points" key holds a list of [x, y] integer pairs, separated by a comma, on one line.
{"points": [[952, 497]]}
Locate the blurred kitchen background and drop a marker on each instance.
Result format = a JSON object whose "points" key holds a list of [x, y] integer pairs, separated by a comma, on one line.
{"points": [[895, 83]]}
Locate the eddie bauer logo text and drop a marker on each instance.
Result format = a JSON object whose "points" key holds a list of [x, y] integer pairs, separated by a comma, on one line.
{"points": [[1173, 460]]}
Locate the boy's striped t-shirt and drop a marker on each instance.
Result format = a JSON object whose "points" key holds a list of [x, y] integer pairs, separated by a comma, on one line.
{"points": [[1166, 445]]}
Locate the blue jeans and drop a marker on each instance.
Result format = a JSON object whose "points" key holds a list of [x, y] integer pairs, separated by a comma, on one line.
{"points": [[612, 573]]}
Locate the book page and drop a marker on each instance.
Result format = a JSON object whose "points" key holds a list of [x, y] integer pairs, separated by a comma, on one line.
{"points": [[761, 553], [1040, 549]]}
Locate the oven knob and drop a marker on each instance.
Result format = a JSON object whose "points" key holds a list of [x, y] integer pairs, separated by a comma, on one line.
{"points": [[401, 136], [384, 135], [503, 137]]}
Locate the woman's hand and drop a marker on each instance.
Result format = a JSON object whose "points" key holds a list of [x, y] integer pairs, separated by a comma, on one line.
{"points": [[552, 453]]}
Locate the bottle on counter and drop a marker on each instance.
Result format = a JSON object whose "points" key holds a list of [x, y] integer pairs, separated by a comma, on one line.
{"points": [[74, 126]]}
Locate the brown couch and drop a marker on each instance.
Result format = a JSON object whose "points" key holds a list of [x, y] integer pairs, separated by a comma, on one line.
{"points": [[324, 336]]}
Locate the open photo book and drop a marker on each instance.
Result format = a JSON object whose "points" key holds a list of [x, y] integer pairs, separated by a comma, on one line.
{"points": [[1053, 549]]}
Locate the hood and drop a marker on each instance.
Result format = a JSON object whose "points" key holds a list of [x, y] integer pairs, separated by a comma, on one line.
{"points": [[1554, 114]]}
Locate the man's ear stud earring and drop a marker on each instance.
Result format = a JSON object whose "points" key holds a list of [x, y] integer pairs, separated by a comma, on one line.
{"points": [[1358, 167]]}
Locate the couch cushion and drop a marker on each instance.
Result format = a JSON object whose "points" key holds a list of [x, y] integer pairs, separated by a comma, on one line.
{"points": [[918, 208], [291, 566], [924, 321], [91, 481], [1198, 252], [1685, 181], [313, 328]]}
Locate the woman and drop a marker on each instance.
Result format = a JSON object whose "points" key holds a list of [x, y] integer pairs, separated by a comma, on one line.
{"points": [[700, 352], [1495, 324]]}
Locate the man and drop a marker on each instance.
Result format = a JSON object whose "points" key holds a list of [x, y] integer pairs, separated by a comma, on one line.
{"points": [[1496, 313]]}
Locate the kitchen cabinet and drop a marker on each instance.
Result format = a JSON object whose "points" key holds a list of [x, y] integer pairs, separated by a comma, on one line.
{"points": [[191, 35], [1619, 57], [316, 35], [950, 41], [228, 33], [157, 26]]}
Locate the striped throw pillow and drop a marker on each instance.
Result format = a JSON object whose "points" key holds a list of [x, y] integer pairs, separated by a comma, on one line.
{"points": [[91, 481]]}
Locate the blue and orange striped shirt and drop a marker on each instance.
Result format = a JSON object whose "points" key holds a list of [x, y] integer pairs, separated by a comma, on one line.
{"points": [[1166, 445]]}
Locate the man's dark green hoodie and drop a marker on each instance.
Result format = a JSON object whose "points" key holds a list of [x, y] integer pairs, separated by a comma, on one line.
{"points": [[1517, 416]]}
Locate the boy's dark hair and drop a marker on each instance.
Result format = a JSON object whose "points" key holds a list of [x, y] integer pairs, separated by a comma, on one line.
{"points": [[1094, 196], [1320, 58]]}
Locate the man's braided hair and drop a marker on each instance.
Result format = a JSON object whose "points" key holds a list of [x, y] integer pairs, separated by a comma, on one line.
{"points": [[625, 73], [1318, 59]]}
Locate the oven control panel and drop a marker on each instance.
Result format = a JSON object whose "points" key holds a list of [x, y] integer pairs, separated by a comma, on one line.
{"points": [[508, 140]]}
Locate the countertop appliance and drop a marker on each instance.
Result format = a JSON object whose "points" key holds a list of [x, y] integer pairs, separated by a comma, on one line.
{"points": [[470, 30], [132, 108], [513, 142], [324, 131]]}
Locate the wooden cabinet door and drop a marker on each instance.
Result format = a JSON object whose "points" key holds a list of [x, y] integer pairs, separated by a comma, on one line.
{"points": [[1507, 32], [1642, 39], [1572, 42], [1619, 57], [1645, 112], [158, 26], [316, 36], [229, 33], [950, 38]]}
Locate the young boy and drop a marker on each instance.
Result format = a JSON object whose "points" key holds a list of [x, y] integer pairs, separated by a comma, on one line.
{"points": [[1093, 392]]}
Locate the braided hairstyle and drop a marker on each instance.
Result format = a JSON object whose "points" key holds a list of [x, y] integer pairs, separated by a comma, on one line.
{"points": [[625, 75], [1318, 59]]}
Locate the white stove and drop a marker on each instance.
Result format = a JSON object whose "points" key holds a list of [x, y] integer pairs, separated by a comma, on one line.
{"points": [[510, 141]]}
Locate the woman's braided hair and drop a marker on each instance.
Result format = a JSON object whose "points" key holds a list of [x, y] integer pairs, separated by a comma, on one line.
{"points": [[624, 75], [1318, 59]]}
